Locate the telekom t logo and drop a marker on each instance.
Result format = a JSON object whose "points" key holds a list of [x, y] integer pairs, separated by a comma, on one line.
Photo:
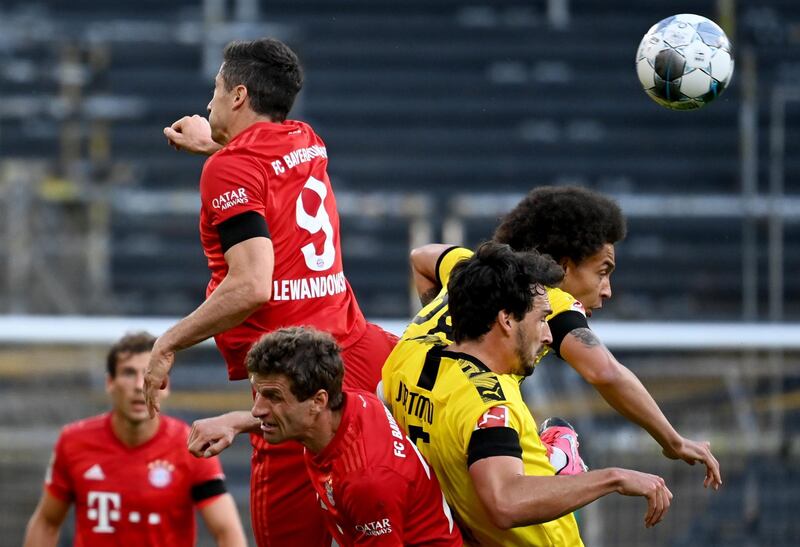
{"points": [[104, 507]]}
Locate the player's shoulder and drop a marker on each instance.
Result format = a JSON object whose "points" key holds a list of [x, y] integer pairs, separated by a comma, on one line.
{"points": [[293, 124], [362, 399], [474, 384], [457, 252], [369, 412], [422, 343], [303, 127], [410, 353], [85, 433], [561, 301], [448, 260], [412, 345], [220, 166], [174, 427], [278, 137], [227, 156], [376, 436], [85, 427], [375, 424]]}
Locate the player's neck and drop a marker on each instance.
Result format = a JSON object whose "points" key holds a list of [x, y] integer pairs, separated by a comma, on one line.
{"points": [[132, 433], [243, 121], [323, 431]]}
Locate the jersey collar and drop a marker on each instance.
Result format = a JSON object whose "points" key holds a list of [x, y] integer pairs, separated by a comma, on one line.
{"points": [[467, 357]]}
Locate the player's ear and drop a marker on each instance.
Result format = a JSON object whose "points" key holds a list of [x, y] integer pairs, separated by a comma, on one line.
{"points": [[320, 399], [504, 321], [240, 96], [109, 379]]}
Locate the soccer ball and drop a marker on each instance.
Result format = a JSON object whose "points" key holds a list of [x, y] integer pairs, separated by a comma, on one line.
{"points": [[684, 62]]}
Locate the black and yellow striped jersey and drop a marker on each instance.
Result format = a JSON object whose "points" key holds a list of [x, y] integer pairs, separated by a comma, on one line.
{"points": [[458, 411], [440, 398]]}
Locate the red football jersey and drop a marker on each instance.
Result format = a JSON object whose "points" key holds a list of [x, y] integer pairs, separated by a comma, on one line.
{"points": [[279, 170], [373, 484], [129, 495]]}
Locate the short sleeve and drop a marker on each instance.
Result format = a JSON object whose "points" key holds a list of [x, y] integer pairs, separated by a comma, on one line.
{"points": [[568, 314], [231, 184], [495, 433], [563, 324], [205, 469], [562, 302], [207, 479], [58, 480], [374, 506], [447, 260]]}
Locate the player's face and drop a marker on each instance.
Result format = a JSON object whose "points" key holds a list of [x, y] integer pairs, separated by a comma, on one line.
{"points": [[533, 333], [282, 416], [590, 281], [126, 388], [219, 110]]}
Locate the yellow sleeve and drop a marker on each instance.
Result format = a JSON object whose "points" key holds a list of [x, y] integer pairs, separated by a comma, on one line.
{"points": [[446, 262], [496, 432], [561, 301]]}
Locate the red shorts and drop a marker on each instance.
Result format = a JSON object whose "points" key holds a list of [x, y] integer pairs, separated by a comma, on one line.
{"points": [[283, 505]]}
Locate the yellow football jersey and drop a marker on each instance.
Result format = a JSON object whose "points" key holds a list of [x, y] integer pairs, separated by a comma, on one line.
{"points": [[438, 397]]}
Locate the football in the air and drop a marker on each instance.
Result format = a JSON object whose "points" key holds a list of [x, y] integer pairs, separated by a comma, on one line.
{"points": [[684, 61]]}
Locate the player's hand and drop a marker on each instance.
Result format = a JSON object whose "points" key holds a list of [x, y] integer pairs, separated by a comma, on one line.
{"points": [[210, 436], [693, 452], [156, 378], [652, 487], [191, 134]]}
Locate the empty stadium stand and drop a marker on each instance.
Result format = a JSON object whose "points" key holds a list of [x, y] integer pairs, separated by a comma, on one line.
{"points": [[430, 97]]}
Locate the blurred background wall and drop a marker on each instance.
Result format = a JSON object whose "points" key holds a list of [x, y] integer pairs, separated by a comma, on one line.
{"points": [[438, 115]]}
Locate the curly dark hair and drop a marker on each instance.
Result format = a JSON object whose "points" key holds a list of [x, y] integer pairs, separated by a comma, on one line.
{"points": [[269, 70], [496, 278], [132, 343], [563, 222], [309, 358]]}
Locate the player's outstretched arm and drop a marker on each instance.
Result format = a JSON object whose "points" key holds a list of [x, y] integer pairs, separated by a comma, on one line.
{"points": [[246, 287], [210, 436], [222, 520], [192, 134], [625, 393], [423, 266], [513, 499], [45, 523]]}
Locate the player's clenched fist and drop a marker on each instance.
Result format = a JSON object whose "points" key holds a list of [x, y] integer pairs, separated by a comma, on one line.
{"points": [[210, 436], [652, 487], [191, 134]]}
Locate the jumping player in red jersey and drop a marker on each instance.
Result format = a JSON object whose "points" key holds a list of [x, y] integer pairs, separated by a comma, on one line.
{"points": [[373, 484], [130, 477], [270, 230]]}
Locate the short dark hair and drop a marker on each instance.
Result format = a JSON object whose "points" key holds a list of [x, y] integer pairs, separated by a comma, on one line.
{"points": [[132, 343], [309, 358], [269, 70], [563, 222], [496, 278]]}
